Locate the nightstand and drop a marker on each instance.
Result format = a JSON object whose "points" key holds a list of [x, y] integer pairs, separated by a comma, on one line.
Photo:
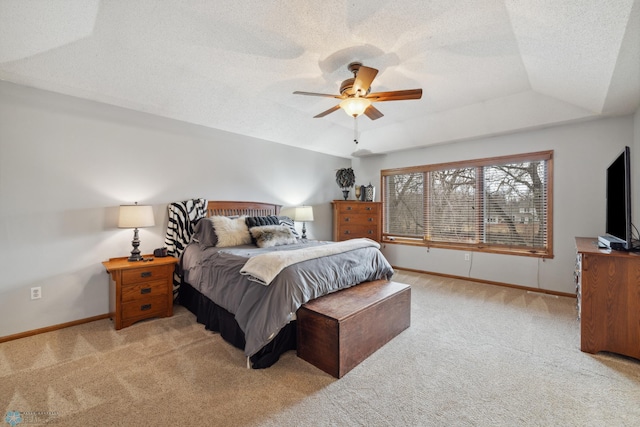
{"points": [[140, 290]]}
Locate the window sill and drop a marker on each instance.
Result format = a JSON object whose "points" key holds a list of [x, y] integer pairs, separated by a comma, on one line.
{"points": [[469, 247]]}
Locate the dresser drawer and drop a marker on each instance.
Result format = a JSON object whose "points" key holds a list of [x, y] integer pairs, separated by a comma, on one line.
{"points": [[144, 307], [146, 274], [358, 219], [358, 207], [355, 231], [145, 290]]}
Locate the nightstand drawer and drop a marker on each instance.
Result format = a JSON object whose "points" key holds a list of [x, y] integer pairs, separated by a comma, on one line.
{"points": [[144, 308], [146, 274], [144, 290]]}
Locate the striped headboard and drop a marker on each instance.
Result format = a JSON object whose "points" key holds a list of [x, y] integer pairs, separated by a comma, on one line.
{"points": [[242, 208]]}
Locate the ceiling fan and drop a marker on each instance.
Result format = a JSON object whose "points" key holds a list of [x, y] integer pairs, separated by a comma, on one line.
{"points": [[356, 95]]}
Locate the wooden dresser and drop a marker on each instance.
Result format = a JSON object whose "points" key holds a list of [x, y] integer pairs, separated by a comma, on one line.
{"points": [[140, 290], [608, 290], [353, 219]]}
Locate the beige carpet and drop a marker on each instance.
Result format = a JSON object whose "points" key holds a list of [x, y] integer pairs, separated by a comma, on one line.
{"points": [[475, 355]]}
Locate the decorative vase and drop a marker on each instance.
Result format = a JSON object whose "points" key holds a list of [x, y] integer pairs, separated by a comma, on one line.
{"points": [[363, 193], [357, 192], [370, 193], [345, 178]]}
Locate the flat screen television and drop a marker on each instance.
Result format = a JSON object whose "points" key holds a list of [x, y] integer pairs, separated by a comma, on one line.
{"points": [[618, 205]]}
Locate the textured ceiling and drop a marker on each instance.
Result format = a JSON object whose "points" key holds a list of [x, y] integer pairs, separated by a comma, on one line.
{"points": [[486, 67]]}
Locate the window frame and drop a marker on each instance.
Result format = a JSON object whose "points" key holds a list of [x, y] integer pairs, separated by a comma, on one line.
{"points": [[479, 246]]}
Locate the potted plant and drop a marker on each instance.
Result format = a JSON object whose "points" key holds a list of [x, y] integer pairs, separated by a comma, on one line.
{"points": [[345, 178]]}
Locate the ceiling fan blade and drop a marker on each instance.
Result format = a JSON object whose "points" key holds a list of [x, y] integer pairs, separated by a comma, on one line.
{"points": [[329, 111], [373, 113], [326, 95], [364, 77], [397, 95]]}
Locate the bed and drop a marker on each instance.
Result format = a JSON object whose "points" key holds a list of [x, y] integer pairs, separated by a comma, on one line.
{"points": [[247, 283]]}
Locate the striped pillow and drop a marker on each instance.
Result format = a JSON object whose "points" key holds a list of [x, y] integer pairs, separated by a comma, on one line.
{"points": [[285, 220]]}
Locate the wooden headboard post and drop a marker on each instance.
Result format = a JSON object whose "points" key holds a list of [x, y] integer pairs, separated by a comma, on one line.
{"points": [[242, 208]]}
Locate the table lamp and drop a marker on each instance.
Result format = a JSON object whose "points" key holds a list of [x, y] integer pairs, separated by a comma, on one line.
{"points": [[135, 216], [304, 214]]}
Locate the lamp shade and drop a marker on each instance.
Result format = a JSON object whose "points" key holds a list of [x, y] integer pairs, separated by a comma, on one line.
{"points": [[136, 216], [355, 106], [303, 213]]}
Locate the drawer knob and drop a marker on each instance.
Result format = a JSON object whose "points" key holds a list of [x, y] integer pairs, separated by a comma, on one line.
{"points": [[348, 208], [368, 208], [145, 274], [145, 290], [346, 232], [370, 219], [370, 231], [145, 307], [346, 219]]}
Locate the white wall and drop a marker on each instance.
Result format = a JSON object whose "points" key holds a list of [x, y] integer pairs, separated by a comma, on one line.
{"points": [[67, 164], [581, 154]]}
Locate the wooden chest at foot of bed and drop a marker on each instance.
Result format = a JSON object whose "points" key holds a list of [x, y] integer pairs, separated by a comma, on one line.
{"points": [[338, 331]]}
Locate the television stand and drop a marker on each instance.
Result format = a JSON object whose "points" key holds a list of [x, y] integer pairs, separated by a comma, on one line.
{"points": [[608, 292]]}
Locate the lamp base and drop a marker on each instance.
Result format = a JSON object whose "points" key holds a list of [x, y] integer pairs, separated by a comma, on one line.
{"points": [[135, 253], [304, 230]]}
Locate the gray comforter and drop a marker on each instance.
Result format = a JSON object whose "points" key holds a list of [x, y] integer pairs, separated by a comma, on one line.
{"points": [[261, 311]]}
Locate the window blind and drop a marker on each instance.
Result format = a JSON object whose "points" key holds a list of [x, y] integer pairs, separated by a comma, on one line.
{"points": [[502, 204], [404, 205]]}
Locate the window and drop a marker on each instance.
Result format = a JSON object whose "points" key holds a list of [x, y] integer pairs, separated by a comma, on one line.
{"points": [[500, 204]]}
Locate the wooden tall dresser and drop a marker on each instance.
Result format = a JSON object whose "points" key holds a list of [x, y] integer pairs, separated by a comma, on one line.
{"points": [[353, 219]]}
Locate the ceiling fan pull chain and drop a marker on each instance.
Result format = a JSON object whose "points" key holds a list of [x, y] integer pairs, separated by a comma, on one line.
{"points": [[355, 129]]}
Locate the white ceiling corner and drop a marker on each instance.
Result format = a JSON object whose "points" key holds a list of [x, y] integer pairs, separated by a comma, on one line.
{"points": [[497, 67]]}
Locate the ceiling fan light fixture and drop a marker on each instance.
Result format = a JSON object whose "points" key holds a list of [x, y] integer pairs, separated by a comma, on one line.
{"points": [[355, 106], [356, 97]]}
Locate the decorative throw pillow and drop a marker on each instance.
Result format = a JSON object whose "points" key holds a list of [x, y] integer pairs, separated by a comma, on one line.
{"points": [[268, 236], [231, 231], [285, 220], [257, 221], [205, 233]]}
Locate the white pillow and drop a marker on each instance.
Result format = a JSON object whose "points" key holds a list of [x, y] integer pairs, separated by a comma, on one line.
{"points": [[231, 231]]}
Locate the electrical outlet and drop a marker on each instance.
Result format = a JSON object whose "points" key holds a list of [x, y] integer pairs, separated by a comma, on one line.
{"points": [[36, 293], [467, 257]]}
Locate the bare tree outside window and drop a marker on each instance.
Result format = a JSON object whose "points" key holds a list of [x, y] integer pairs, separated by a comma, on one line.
{"points": [[406, 200], [515, 199], [452, 200], [500, 204]]}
